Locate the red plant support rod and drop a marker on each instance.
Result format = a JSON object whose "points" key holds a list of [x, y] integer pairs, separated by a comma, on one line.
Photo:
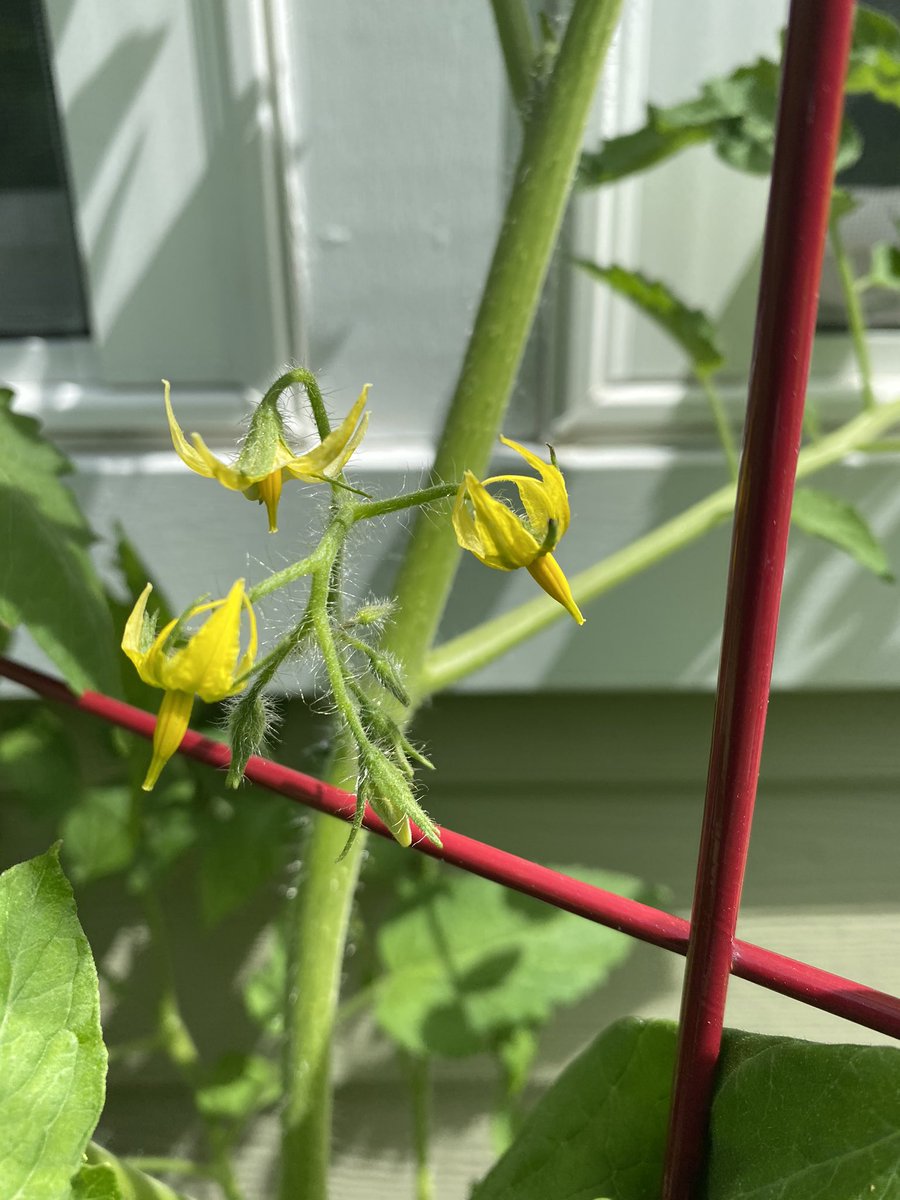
{"points": [[815, 62], [808, 984]]}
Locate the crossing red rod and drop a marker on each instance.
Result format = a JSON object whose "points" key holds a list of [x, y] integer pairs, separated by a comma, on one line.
{"points": [[815, 63], [808, 984]]}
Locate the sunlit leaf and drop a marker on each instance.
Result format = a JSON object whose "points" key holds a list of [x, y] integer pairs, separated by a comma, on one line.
{"points": [[689, 327], [839, 523], [52, 1057], [465, 961]]}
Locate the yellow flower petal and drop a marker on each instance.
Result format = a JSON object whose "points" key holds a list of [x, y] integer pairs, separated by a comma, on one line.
{"points": [[491, 530], [235, 481], [557, 498], [132, 638], [328, 459], [171, 726], [206, 665], [549, 574], [183, 448]]}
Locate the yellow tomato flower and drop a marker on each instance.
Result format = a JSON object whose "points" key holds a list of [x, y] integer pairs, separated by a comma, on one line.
{"points": [[266, 460], [503, 539], [208, 665]]}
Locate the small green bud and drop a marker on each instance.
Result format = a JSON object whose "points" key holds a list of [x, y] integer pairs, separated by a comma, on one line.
{"points": [[375, 613], [264, 437], [383, 785], [385, 670], [248, 723]]}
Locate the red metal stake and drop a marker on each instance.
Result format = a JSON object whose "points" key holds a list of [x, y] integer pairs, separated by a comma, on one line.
{"points": [[815, 63]]}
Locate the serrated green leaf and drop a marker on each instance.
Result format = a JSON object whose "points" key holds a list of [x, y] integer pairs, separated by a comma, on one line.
{"points": [[874, 66], [244, 843], [96, 1183], [47, 581], [631, 153], [689, 327], [467, 961], [601, 1129], [238, 1086], [52, 1057], [793, 1118], [99, 835], [837, 522]]}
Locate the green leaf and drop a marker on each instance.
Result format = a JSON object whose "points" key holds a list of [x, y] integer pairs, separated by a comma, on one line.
{"points": [[805, 1121], [130, 1183], [689, 327], [245, 843], [835, 521], [631, 153], [52, 1057], [96, 1183], [99, 835], [466, 961], [789, 1119], [874, 66], [601, 1128], [884, 271], [238, 1086], [169, 828], [46, 579], [38, 761]]}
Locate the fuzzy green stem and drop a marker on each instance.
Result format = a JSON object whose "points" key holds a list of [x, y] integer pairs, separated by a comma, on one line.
{"points": [[517, 42], [160, 1165], [471, 651], [308, 381], [380, 508], [318, 917], [525, 244], [420, 1086], [855, 317], [723, 425], [281, 579]]}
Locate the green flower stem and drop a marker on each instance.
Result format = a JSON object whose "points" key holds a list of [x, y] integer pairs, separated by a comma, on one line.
{"points": [[420, 1084], [541, 188], [854, 312], [479, 646], [723, 425], [379, 508], [517, 41], [290, 574], [308, 381], [318, 917]]}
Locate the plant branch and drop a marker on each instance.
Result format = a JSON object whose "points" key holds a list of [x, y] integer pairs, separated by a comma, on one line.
{"points": [[517, 41], [855, 318], [723, 425]]}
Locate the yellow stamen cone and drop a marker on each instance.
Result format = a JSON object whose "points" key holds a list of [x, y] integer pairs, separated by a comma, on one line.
{"points": [[269, 494], [171, 726], [547, 572]]}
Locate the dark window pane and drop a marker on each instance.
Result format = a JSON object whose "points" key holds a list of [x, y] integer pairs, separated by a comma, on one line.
{"points": [[41, 290]]}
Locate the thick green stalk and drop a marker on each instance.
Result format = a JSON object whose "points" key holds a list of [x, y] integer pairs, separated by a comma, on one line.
{"points": [[420, 1086], [318, 917], [479, 646], [542, 184]]}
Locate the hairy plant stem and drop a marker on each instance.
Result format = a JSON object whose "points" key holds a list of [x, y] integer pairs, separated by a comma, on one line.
{"points": [[479, 646], [320, 912], [131, 1182], [855, 318]]}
